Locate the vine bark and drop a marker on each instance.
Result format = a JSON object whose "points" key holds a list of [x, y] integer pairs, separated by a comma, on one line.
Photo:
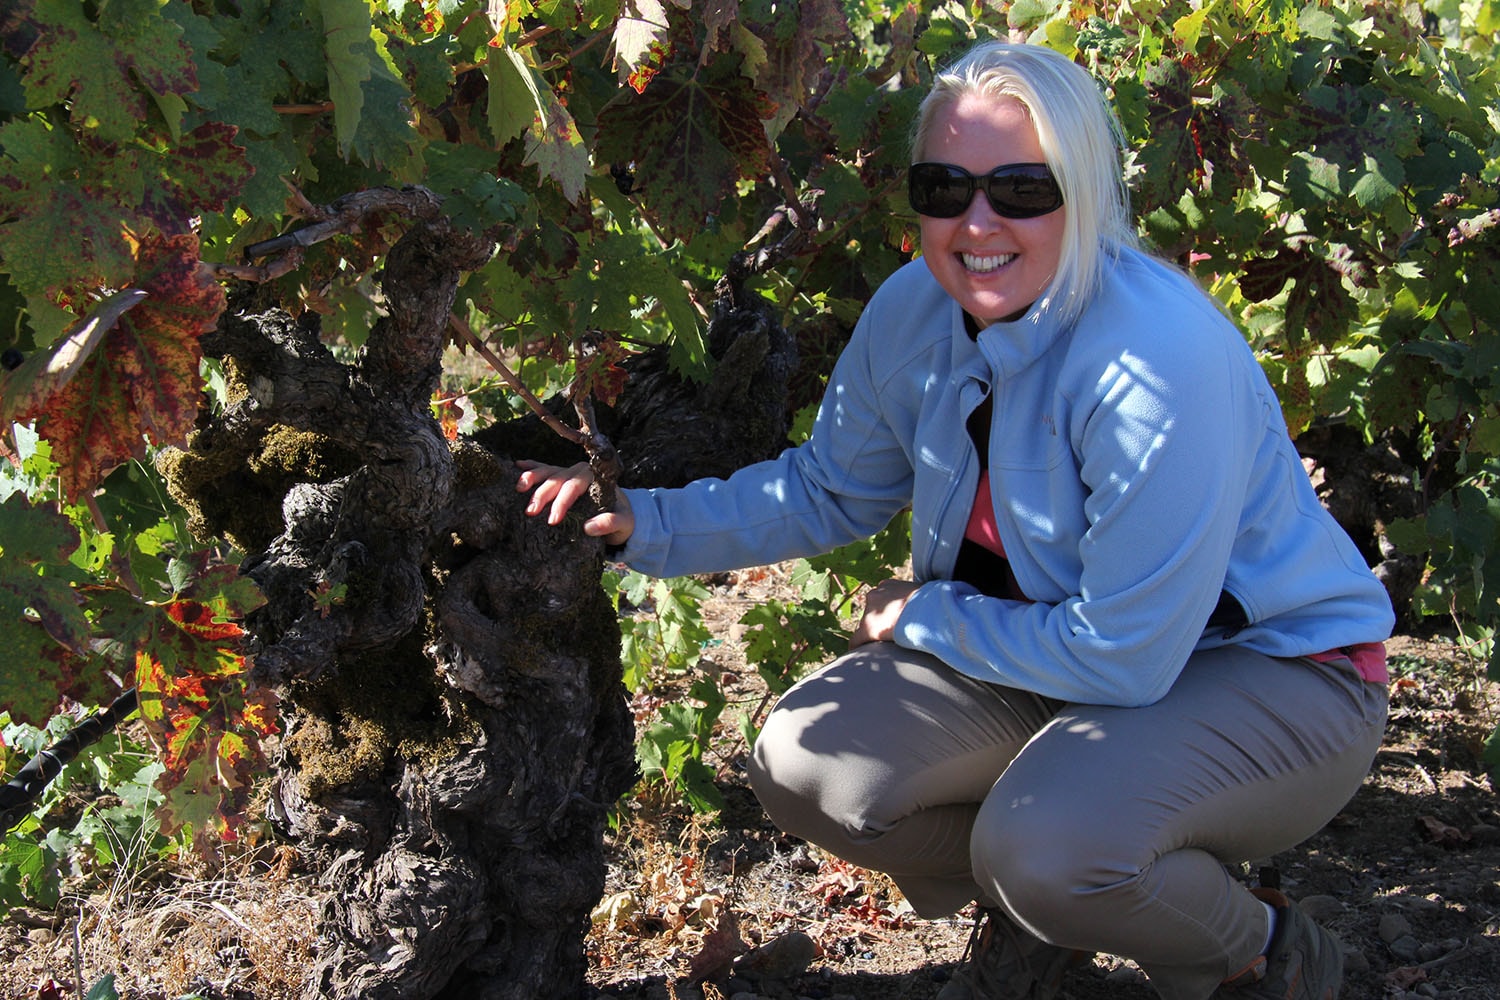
{"points": [[455, 724]]}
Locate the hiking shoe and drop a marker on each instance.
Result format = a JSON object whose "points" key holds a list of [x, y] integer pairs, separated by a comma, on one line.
{"points": [[1004, 962], [1304, 962]]}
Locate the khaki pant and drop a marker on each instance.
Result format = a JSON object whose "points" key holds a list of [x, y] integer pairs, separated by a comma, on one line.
{"points": [[1102, 829]]}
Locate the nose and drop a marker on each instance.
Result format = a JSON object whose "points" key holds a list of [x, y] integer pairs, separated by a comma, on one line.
{"points": [[980, 214]]}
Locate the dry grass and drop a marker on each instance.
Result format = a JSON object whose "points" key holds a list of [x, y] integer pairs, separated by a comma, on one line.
{"points": [[246, 930]]}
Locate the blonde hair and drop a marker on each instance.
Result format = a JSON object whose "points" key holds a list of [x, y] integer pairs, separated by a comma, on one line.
{"points": [[1080, 139]]}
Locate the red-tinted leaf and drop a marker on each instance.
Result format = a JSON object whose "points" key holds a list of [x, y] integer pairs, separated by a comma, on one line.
{"points": [[144, 382], [24, 390], [692, 135], [641, 41], [64, 237], [198, 173], [200, 708], [797, 55], [1263, 278]]}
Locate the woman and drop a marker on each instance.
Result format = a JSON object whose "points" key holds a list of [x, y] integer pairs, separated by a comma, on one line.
{"points": [[1136, 648]]}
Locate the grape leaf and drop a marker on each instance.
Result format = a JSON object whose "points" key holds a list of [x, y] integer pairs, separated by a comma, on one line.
{"points": [[199, 707], [556, 148], [196, 697], [797, 55], [346, 28], [33, 538], [358, 73], [515, 97], [200, 172], [145, 380], [692, 135], [719, 16], [58, 234], [27, 387], [641, 41], [100, 75], [46, 632]]}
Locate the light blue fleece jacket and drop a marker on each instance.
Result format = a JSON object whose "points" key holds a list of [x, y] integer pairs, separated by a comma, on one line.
{"points": [[1139, 466]]}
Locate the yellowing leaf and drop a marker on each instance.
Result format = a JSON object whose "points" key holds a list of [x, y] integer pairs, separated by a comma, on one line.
{"points": [[640, 41], [1188, 28], [198, 705], [555, 147]]}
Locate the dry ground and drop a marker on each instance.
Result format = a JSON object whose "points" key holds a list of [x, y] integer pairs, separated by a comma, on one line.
{"points": [[1408, 875]]}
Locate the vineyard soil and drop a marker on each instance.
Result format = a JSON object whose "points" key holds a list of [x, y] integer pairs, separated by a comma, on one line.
{"points": [[1408, 875]]}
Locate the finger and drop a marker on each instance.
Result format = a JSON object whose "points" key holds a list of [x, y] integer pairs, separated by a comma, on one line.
{"points": [[614, 526], [532, 473], [568, 492], [545, 491]]}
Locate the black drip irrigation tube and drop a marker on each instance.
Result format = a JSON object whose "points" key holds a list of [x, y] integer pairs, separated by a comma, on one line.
{"points": [[18, 794]]}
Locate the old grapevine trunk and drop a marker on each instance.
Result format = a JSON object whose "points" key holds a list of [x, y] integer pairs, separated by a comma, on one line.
{"points": [[455, 724]]}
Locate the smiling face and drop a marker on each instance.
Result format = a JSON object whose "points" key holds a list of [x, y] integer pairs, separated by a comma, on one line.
{"points": [[995, 267]]}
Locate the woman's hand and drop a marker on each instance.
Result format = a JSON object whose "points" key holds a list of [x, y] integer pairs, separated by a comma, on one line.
{"points": [[883, 606], [557, 489]]}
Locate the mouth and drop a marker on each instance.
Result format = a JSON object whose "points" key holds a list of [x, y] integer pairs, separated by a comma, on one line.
{"points": [[986, 263]]}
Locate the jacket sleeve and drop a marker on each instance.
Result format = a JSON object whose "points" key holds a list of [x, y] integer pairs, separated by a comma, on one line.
{"points": [[1164, 434], [852, 475]]}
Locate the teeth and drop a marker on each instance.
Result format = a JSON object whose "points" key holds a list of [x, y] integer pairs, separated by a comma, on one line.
{"points": [[974, 262]]}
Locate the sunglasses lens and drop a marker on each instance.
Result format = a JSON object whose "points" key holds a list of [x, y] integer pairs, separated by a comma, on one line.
{"points": [[938, 190], [1023, 192]]}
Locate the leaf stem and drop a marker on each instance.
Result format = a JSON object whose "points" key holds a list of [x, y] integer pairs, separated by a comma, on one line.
{"points": [[461, 327]]}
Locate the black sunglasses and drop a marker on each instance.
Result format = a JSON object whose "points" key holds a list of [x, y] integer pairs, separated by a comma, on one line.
{"points": [[1015, 191]]}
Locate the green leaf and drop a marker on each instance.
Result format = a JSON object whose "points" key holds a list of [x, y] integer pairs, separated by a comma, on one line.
{"points": [[104, 989], [1313, 179], [346, 30], [473, 195], [47, 634], [1492, 745], [515, 94], [360, 75]]}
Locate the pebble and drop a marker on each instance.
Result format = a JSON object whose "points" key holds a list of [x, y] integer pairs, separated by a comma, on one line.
{"points": [[1321, 908], [782, 958], [1406, 948], [1394, 926]]}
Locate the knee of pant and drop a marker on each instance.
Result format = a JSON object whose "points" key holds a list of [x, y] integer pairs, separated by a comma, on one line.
{"points": [[803, 792], [783, 776], [1043, 869]]}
